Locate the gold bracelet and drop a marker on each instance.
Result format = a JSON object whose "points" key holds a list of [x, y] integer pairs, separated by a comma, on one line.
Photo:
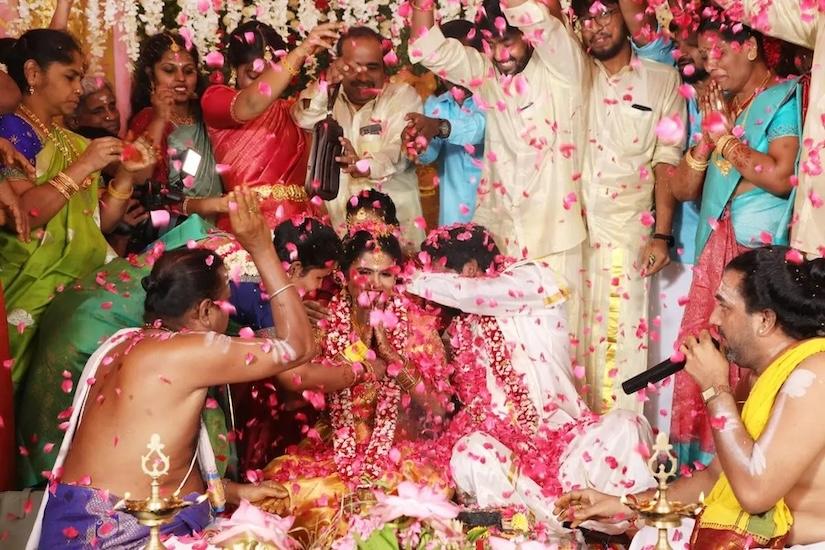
{"points": [[722, 142], [119, 195], [60, 187], [729, 146], [289, 68], [184, 207], [67, 179], [693, 163], [280, 291]]}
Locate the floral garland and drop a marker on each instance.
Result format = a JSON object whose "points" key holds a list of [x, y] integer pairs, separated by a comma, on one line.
{"points": [[152, 16], [339, 336], [95, 37], [511, 382], [128, 22]]}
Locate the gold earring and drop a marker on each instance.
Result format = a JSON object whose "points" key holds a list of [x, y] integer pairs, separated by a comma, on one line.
{"points": [[31, 89], [752, 55]]}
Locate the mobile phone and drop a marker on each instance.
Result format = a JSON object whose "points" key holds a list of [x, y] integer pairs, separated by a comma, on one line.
{"points": [[191, 162]]}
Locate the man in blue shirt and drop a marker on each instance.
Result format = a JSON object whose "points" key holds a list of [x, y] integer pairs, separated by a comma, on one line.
{"points": [[452, 128]]}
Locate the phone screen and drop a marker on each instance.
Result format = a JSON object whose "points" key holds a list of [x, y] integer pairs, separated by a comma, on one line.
{"points": [[191, 161]]}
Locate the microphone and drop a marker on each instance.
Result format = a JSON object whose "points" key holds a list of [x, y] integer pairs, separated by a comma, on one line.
{"points": [[654, 374]]}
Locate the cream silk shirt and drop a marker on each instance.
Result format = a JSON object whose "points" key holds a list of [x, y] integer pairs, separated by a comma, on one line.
{"points": [[374, 129], [788, 20], [623, 147], [529, 194]]}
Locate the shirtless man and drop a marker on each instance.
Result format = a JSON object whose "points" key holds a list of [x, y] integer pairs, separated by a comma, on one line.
{"points": [[154, 381], [771, 319]]}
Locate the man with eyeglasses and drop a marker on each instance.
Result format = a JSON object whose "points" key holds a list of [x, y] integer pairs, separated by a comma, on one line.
{"points": [[635, 136]]}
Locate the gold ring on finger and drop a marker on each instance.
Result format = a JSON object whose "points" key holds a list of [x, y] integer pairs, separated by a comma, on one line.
{"points": [[651, 259]]}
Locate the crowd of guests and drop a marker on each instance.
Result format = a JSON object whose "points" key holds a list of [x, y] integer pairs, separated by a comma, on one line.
{"points": [[179, 276]]}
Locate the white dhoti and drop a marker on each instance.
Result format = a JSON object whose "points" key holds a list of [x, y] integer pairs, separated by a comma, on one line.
{"points": [[615, 327], [604, 456]]}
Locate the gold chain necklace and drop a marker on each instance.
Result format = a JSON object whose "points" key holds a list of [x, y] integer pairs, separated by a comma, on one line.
{"points": [[737, 108], [723, 164], [64, 145]]}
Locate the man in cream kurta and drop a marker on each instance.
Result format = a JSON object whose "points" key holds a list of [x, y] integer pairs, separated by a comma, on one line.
{"points": [[789, 20], [625, 157], [373, 127], [529, 191]]}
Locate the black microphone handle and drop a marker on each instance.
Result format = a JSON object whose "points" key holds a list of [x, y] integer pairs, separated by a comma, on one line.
{"points": [[655, 374], [652, 375]]}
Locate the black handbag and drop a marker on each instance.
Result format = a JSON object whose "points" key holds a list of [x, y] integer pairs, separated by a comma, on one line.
{"points": [[323, 171]]}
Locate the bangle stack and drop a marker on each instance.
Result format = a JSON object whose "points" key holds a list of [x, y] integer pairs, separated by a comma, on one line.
{"points": [[723, 142], [407, 381], [64, 185], [693, 163], [119, 195]]}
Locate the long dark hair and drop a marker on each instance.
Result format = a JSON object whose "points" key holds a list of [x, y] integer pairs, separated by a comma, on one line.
{"points": [[179, 281], [717, 22], [249, 41], [151, 51], [778, 279], [313, 243], [44, 46]]}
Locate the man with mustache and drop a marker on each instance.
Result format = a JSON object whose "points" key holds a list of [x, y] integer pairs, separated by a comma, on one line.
{"points": [[531, 79], [371, 111], [628, 157], [766, 486]]}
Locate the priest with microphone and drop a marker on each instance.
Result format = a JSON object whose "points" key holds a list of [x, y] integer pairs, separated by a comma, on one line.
{"points": [[766, 486]]}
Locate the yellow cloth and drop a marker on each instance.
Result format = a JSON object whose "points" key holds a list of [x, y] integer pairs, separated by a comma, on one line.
{"points": [[723, 510]]}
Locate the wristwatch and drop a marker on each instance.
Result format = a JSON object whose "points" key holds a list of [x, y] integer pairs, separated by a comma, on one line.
{"points": [[669, 239], [715, 391], [444, 128]]}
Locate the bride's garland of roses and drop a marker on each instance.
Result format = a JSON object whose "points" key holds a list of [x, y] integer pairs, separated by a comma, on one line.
{"points": [[339, 336]]}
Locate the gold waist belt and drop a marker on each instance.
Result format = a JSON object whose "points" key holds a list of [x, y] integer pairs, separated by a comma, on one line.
{"points": [[280, 192]]}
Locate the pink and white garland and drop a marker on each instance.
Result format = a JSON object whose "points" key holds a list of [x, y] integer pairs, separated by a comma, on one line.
{"points": [[370, 465], [511, 382]]}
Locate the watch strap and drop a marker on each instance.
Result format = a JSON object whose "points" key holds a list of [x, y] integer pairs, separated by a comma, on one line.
{"points": [[669, 239]]}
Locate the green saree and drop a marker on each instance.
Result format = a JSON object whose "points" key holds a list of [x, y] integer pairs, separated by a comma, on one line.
{"points": [[69, 246]]}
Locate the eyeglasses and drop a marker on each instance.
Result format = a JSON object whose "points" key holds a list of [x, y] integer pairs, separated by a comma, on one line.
{"points": [[601, 18]]}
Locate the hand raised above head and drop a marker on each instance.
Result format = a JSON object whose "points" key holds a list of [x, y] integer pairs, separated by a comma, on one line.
{"points": [[323, 37], [248, 224]]}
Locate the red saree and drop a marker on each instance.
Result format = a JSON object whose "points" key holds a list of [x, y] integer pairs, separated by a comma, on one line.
{"points": [[7, 452], [137, 126], [268, 153], [689, 424]]}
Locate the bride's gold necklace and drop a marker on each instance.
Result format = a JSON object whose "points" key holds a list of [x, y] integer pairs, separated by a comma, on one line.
{"points": [[64, 144]]}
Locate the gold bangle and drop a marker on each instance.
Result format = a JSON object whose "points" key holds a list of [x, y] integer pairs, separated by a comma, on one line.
{"points": [[289, 68], [693, 163], [67, 179], [184, 207], [729, 146], [60, 187], [722, 142], [119, 195]]}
